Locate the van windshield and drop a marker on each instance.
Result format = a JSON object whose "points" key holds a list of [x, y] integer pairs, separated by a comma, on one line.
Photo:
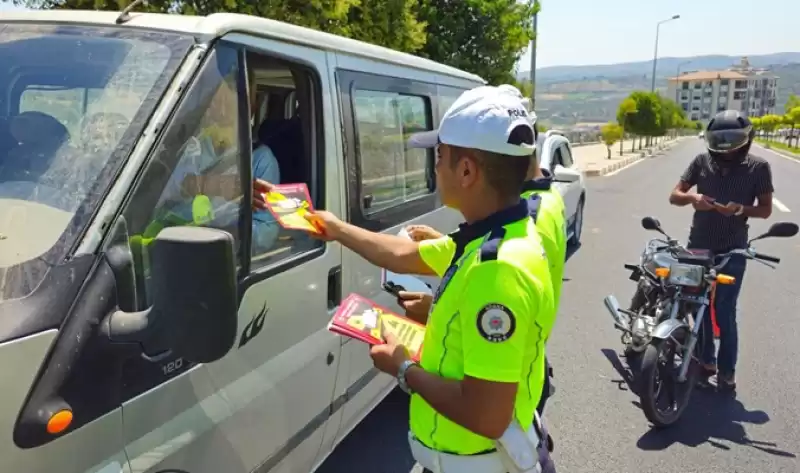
{"points": [[73, 101]]}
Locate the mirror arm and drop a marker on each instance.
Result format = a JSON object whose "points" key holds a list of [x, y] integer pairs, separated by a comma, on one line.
{"points": [[136, 327]]}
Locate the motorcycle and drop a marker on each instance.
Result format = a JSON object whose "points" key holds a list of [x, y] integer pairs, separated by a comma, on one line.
{"points": [[674, 288]]}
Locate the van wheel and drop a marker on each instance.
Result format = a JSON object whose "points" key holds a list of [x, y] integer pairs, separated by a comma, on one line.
{"points": [[578, 225]]}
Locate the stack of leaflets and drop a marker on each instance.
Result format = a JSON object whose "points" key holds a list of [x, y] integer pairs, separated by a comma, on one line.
{"points": [[364, 320], [289, 204]]}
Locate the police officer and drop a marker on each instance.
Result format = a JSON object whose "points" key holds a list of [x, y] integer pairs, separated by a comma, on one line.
{"points": [[475, 390], [550, 224]]}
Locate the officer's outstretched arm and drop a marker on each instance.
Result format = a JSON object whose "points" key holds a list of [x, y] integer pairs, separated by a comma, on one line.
{"points": [[395, 253], [496, 328]]}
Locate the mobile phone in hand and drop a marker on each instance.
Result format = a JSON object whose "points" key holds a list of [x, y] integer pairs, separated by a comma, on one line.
{"points": [[393, 288]]}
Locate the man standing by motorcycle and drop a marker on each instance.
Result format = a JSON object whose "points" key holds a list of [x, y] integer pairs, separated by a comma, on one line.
{"points": [[732, 186]]}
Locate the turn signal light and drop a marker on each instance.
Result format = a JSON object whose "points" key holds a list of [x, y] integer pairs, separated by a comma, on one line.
{"points": [[725, 279], [662, 272], [59, 422]]}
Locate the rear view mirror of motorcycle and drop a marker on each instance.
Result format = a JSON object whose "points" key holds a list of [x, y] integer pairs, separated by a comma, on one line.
{"points": [[779, 230], [652, 223]]}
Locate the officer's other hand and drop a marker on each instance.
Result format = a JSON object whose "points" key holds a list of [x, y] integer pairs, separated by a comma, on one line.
{"points": [[326, 223], [702, 202], [416, 304], [730, 209], [422, 232], [260, 188], [389, 356]]}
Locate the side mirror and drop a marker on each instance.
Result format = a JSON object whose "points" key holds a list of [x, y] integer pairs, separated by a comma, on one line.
{"points": [[781, 230], [562, 174], [651, 223], [195, 299]]}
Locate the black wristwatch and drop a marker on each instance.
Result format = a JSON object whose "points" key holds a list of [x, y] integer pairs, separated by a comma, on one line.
{"points": [[401, 376]]}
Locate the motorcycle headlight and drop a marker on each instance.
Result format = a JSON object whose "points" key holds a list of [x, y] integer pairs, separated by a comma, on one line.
{"points": [[686, 274]]}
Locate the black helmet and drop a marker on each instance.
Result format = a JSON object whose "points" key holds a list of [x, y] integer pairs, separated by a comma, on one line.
{"points": [[728, 132]]}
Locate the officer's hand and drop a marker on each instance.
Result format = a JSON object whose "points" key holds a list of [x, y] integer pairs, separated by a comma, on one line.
{"points": [[422, 232], [702, 202], [389, 356], [730, 209], [416, 304], [260, 188], [326, 223]]}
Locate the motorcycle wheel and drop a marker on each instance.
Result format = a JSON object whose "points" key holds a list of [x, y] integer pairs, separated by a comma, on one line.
{"points": [[658, 379]]}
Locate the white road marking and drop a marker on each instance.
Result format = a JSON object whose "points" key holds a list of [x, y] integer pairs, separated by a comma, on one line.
{"points": [[788, 158], [625, 167], [777, 203]]}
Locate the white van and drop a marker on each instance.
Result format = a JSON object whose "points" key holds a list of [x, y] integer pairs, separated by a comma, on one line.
{"points": [[133, 339]]}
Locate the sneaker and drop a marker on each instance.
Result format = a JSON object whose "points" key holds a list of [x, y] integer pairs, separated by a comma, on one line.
{"points": [[706, 373], [726, 384]]}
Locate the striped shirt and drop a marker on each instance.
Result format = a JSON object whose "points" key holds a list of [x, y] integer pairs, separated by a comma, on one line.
{"points": [[740, 183]]}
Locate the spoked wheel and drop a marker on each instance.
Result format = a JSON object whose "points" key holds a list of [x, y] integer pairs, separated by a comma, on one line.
{"points": [[663, 397]]}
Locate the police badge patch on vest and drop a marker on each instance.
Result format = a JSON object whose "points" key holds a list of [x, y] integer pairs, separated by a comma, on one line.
{"points": [[496, 323]]}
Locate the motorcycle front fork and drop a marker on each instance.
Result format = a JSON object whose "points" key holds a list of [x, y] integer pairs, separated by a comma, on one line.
{"points": [[688, 347]]}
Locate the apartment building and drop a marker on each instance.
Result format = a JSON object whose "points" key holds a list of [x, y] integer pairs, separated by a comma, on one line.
{"points": [[742, 87]]}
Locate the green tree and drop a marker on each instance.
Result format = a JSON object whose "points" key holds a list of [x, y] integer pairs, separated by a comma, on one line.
{"points": [[792, 102], [611, 133], [672, 116], [485, 37], [625, 111], [390, 23], [792, 118], [770, 123], [647, 119]]}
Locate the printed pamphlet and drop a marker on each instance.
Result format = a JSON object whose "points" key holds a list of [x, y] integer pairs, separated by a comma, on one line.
{"points": [[364, 320], [289, 203]]}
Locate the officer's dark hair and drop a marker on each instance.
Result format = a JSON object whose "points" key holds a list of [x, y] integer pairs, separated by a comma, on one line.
{"points": [[504, 173]]}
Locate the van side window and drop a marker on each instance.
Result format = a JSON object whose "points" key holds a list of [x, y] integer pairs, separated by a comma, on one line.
{"points": [[388, 183], [195, 175], [391, 172], [283, 97]]}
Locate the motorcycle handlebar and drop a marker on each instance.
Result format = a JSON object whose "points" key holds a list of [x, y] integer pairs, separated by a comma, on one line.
{"points": [[764, 257]]}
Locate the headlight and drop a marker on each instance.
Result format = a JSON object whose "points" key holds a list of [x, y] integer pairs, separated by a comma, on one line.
{"points": [[686, 275]]}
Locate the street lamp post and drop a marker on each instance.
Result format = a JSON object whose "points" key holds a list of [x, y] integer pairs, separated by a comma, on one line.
{"points": [[533, 62], [655, 54]]}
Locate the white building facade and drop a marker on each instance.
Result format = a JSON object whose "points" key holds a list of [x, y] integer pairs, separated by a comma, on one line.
{"points": [[702, 94]]}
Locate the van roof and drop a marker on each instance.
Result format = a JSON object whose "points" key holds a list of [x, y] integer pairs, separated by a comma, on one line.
{"points": [[207, 28]]}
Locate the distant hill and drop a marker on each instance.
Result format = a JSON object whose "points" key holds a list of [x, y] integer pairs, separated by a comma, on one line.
{"points": [[666, 67], [569, 95]]}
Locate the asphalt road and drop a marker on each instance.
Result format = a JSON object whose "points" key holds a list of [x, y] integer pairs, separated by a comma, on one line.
{"points": [[594, 417]]}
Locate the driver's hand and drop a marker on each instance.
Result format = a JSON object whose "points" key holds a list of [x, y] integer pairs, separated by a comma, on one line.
{"points": [[260, 188], [702, 202], [192, 185]]}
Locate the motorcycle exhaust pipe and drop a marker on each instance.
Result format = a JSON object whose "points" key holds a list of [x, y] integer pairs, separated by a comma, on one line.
{"points": [[612, 305]]}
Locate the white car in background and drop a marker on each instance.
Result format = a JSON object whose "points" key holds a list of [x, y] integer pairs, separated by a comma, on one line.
{"points": [[555, 155]]}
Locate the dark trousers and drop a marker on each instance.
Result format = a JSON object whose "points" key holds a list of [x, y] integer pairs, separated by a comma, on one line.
{"points": [[725, 303], [548, 388]]}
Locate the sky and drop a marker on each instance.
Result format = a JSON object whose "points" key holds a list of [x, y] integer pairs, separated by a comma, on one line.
{"points": [[582, 32], [587, 32]]}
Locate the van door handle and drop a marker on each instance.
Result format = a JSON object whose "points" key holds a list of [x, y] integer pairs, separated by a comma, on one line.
{"points": [[334, 287]]}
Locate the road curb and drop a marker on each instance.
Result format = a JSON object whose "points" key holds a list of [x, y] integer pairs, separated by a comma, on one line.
{"points": [[651, 152], [779, 151]]}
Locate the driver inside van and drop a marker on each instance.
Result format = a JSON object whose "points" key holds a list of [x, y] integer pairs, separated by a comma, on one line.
{"points": [[211, 196]]}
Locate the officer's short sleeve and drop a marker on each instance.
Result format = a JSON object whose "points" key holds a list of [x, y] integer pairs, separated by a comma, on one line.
{"points": [[437, 253], [496, 314]]}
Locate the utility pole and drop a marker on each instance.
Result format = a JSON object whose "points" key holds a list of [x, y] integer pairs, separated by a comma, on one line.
{"points": [[655, 53], [533, 62]]}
